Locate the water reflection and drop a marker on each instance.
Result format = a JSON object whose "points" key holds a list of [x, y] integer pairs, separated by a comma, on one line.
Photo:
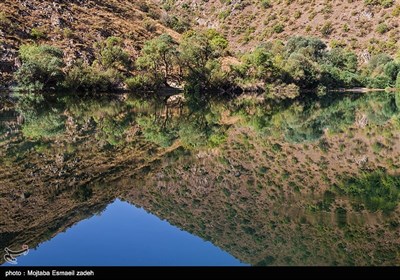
{"points": [[310, 182], [126, 235]]}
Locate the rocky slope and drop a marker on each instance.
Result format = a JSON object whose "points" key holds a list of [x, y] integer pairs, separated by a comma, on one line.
{"points": [[364, 27], [74, 26]]}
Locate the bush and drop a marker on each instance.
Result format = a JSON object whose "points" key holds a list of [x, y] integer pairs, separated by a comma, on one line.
{"points": [[279, 28], [141, 82], [398, 81], [383, 3], [382, 28], [4, 20], [41, 67], [38, 33], [111, 54], [314, 46], [303, 71], [379, 82], [90, 78], [327, 29], [265, 3], [376, 190]]}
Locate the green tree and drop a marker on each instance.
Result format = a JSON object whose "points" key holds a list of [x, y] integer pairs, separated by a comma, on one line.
{"points": [[303, 71], [199, 59], [258, 64], [157, 56], [91, 78], [314, 47], [111, 53], [342, 59], [41, 66]]}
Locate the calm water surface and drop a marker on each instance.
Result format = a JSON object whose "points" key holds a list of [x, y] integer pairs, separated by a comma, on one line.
{"points": [[120, 180]]}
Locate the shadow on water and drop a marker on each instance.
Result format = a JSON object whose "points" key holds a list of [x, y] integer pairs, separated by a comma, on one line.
{"points": [[301, 182]]}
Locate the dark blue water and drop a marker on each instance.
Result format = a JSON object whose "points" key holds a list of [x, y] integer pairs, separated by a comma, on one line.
{"points": [[124, 235]]}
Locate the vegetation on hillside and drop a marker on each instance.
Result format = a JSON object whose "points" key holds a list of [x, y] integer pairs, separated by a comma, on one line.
{"points": [[197, 63]]}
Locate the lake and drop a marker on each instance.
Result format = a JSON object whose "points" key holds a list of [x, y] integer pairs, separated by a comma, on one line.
{"points": [[124, 180]]}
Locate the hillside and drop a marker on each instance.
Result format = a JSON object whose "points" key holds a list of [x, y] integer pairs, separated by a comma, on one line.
{"points": [[372, 27], [80, 29], [74, 26]]}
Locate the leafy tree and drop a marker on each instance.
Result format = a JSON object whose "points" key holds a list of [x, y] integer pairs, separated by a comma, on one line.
{"points": [[111, 54], [199, 58], [339, 69], [314, 47], [157, 56], [302, 70], [258, 64], [342, 59], [82, 76], [391, 70], [218, 42], [377, 62], [381, 71], [41, 66]]}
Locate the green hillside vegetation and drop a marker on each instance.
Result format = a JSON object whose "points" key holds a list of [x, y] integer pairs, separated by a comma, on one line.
{"points": [[197, 62]]}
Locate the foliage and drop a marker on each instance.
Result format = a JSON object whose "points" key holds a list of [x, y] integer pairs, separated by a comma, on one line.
{"points": [[381, 71], [156, 133], [258, 64], [377, 190], [141, 82], [157, 57], [199, 59], [44, 126], [41, 66], [309, 46], [111, 54], [84, 77], [398, 81]]}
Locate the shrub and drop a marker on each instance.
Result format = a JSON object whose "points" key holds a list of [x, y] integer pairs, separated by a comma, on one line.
{"points": [[278, 28], [141, 82], [87, 78], [111, 54], [383, 3], [265, 3], [315, 47], [41, 66], [177, 24], [38, 33], [398, 81], [149, 25], [4, 20], [382, 28], [327, 29]]}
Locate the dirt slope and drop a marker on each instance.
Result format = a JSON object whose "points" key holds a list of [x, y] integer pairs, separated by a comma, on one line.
{"points": [[247, 23], [74, 26]]}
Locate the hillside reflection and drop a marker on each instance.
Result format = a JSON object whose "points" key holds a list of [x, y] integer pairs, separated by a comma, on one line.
{"points": [[305, 182]]}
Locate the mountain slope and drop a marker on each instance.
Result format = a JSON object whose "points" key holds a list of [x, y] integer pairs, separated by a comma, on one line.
{"points": [[74, 26], [372, 27]]}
